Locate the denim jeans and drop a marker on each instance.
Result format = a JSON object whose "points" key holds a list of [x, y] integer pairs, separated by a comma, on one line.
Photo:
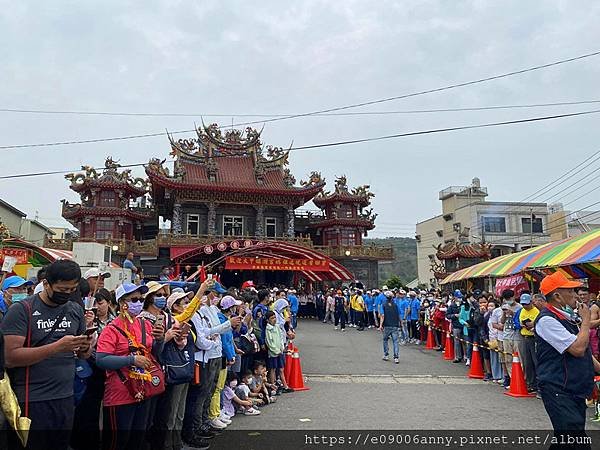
{"points": [[457, 333], [496, 365], [393, 332], [404, 330]]}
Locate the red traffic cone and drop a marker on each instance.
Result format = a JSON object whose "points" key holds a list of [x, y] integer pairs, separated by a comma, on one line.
{"points": [[430, 341], [476, 370], [288, 361], [296, 379], [449, 348], [518, 387]]}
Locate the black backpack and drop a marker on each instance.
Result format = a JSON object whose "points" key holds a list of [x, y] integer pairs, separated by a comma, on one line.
{"points": [[475, 317]]}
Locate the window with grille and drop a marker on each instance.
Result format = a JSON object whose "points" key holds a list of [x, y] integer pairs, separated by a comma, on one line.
{"points": [[270, 227], [108, 198], [193, 224], [537, 225], [104, 229], [494, 224], [233, 226]]}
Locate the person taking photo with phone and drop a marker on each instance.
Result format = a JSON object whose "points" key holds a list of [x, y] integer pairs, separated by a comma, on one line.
{"points": [[44, 334]]}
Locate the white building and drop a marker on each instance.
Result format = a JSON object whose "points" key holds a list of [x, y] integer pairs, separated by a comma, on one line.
{"points": [[468, 218], [21, 227]]}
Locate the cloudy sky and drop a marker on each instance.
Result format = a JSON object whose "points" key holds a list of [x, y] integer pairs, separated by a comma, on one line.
{"points": [[273, 57]]}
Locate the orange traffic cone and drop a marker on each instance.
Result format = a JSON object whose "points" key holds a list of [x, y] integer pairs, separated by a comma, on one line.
{"points": [[476, 370], [430, 341], [287, 370], [518, 388], [449, 348], [296, 379]]}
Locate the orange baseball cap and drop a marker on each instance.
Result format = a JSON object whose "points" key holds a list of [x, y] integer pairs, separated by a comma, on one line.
{"points": [[555, 281]]}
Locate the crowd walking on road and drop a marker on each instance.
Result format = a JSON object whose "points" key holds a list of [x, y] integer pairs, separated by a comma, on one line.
{"points": [[552, 335]]}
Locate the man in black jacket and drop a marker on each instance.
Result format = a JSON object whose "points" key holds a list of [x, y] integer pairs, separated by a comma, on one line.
{"points": [[390, 324]]}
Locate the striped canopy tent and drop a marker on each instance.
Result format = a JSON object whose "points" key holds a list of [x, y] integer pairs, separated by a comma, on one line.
{"points": [[578, 257]]}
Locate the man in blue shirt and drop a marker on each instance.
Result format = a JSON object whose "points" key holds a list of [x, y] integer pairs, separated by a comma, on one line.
{"points": [[369, 305], [294, 305], [379, 302], [128, 264], [415, 307], [403, 306]]}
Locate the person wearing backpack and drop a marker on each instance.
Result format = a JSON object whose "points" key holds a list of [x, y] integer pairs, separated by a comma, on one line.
{"points": [[42, 333]]}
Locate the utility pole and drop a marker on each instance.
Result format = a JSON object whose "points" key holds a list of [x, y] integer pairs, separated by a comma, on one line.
{"points": [[531, 228]]}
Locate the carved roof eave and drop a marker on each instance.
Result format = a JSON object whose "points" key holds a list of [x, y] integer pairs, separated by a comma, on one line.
{"points": [[348, 198], [107, 183], [77, 210], [352, 222], [305, 191], [275, 163]]}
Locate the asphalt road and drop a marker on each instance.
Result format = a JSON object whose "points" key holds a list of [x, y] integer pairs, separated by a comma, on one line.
{"points": [[352, 388]]}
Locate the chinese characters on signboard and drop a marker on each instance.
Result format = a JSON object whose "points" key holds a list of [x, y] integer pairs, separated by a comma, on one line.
{"points": [[293, 264]]}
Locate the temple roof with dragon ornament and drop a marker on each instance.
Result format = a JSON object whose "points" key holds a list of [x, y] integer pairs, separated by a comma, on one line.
{"points": [[90, 183], [360, 195], [110, 178], [454, 250], [231, 161]]}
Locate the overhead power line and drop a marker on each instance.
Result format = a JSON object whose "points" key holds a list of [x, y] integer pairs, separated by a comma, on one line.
{"points": [[332, 114], [329, 144], [431, 91], [352, 141]]}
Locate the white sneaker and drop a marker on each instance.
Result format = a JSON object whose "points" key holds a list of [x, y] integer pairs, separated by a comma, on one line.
{"points": [[252, 412], [386, 358], [225, 419], [396, 361], [217, 424], [343, 329], [335, 328], [468, 362]]}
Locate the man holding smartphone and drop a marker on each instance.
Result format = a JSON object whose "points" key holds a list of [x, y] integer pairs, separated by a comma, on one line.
{"points": [[565, 364]]}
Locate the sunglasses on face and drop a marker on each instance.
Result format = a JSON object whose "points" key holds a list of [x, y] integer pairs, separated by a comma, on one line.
{"points": [[135, 299]]}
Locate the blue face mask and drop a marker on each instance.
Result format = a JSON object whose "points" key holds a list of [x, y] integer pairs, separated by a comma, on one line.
{"points": [[160, 302], [18, 297]]}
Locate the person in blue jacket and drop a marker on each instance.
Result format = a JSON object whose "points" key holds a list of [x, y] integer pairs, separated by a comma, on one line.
{"points": [[369, 305], [415, 307], [403, 306], [294, 305]]}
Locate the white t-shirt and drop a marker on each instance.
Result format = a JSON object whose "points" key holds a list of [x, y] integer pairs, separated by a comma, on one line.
{"points": [[495, 319], [554, 333]]}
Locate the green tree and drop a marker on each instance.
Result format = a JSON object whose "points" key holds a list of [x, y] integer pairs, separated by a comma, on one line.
{"points": [[394, 282]]}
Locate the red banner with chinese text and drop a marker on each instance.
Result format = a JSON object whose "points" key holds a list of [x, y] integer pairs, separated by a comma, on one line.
{"points": [[516, 282], [244, 263], [22, 254]]}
